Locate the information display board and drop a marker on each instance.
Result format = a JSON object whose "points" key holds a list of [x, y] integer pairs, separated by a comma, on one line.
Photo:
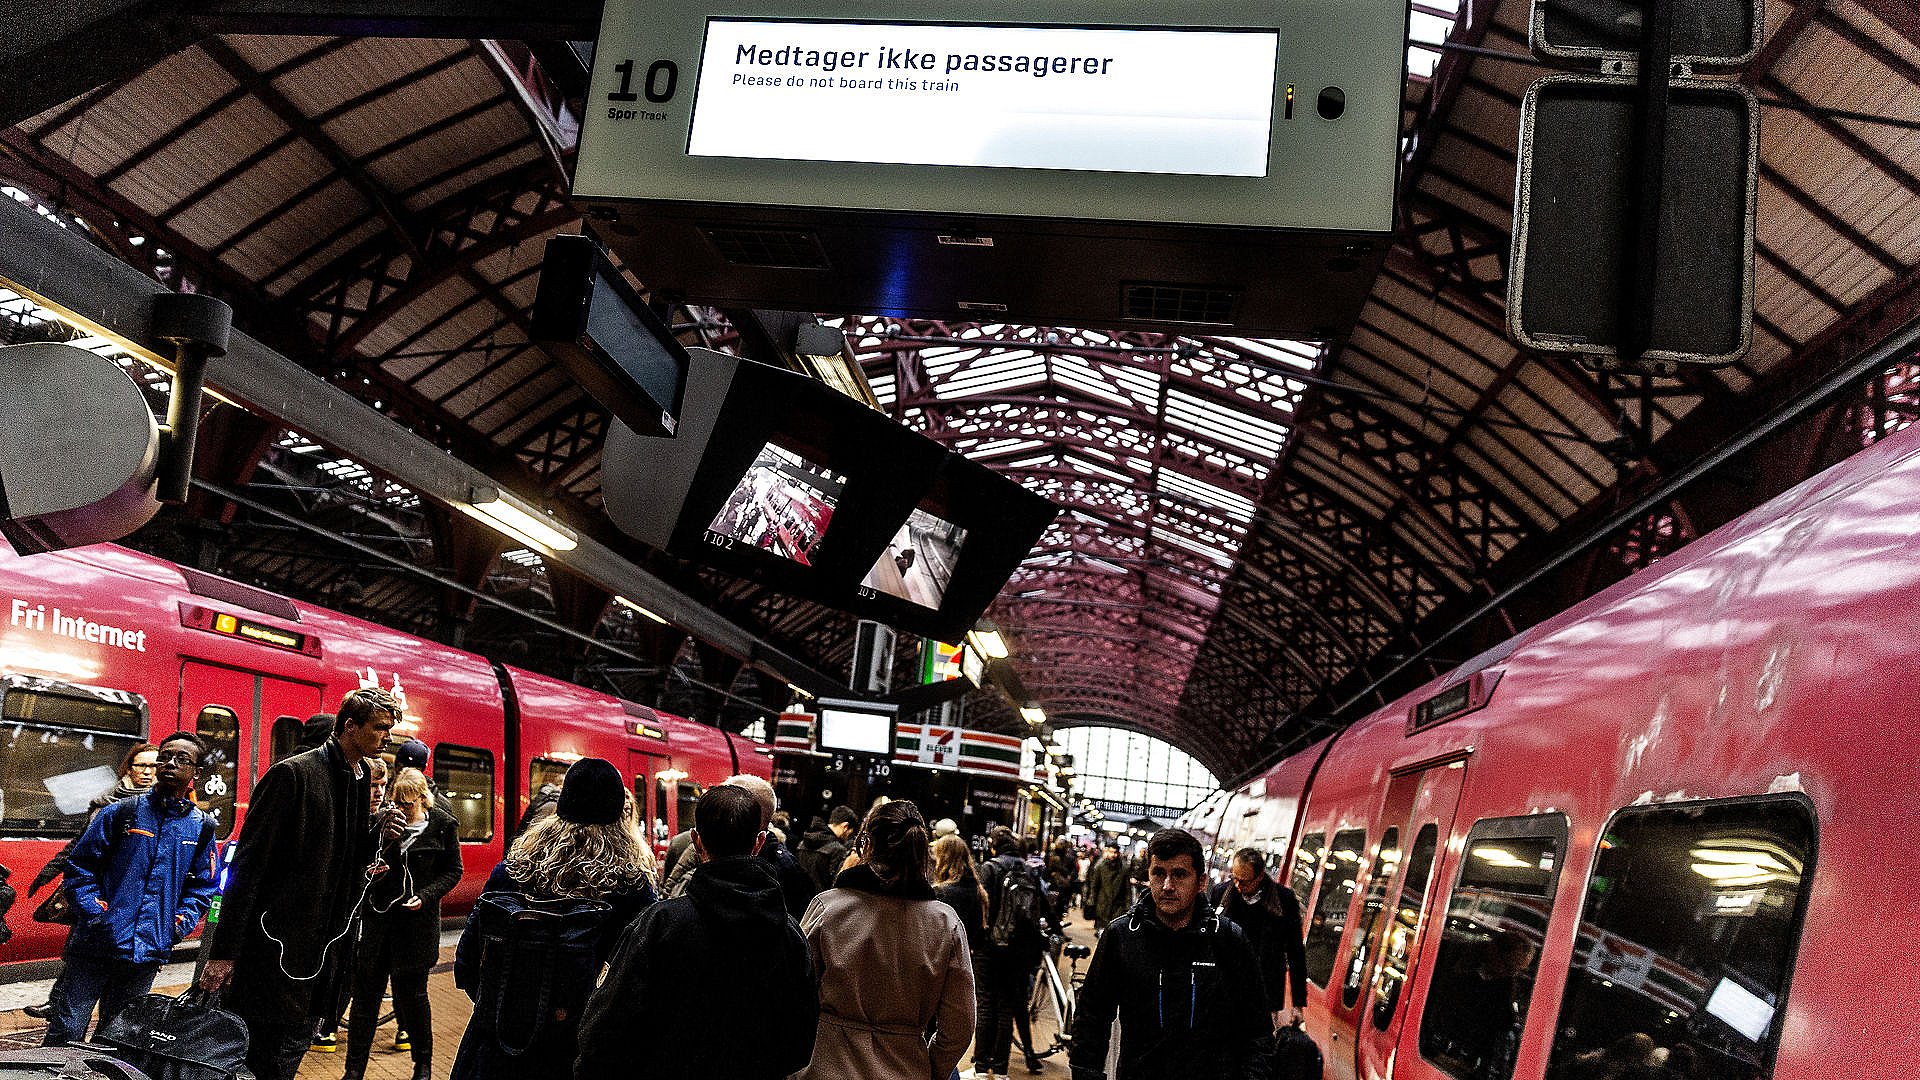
{"points": [[1228, 164], [1019, 97]]}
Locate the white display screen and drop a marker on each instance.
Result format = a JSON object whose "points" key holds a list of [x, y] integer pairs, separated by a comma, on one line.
{"points": [[1740, 1009], [849, 730], [1188, 102]]}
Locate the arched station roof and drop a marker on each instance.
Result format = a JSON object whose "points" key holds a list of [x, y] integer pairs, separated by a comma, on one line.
{"points": [[1251, 530]]}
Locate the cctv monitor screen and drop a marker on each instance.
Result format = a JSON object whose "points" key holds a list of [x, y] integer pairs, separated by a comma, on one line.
{"points": [[783, 504], [918, 562], [855, 727], [1196, 102]]}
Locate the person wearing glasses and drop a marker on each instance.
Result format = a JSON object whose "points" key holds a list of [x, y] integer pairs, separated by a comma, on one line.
{"points": [[138, 767], [140, 878]]}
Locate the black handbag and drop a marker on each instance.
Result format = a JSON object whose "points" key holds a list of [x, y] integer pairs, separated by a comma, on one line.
{"points": [[180, 1038], [7, 898], [1295, 1056], [57, 908]]}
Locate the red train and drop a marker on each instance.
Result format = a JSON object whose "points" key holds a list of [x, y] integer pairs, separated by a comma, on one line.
{"points": [[1661, 835], [103, 647]]}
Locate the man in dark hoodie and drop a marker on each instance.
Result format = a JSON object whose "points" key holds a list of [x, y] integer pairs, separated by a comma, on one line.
{"points": [[824, 847], [727, 939], [1183, 980], [299, 869]]}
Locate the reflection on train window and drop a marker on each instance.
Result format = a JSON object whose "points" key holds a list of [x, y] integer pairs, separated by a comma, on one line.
{"points": [[689, 796], [1490, 946], [1306, 864], [1396, 947], [465, 776], [56, 754], [1689, 929], [542, 772], [1385, 861], [283, 739], [1336, 899], [218, 783]]}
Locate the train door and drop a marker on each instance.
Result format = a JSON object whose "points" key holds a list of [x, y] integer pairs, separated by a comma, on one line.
{"points": [[1381, 966], [649, 800], [231, 709]]}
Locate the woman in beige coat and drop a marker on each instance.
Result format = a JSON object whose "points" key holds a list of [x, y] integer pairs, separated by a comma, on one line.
{"points": [[896, 981]]}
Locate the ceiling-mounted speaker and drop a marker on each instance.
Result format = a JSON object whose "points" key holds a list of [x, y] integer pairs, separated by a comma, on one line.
{"points": [[79, 449]]}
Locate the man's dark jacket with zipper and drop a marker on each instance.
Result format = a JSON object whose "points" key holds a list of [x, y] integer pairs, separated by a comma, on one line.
{"points": [[1190, 1001], [298, 869]]}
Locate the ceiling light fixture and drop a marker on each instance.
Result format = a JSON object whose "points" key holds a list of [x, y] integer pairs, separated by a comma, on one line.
{"points": [[501, 511], [986, 638], [631, 606], [1033, 714]]}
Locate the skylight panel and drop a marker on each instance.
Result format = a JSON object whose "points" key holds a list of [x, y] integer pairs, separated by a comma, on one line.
{"points": [[1299, 354], [1071, 371], [1179, 539], [1081, 461], [1252, 435], [1235, 506]]}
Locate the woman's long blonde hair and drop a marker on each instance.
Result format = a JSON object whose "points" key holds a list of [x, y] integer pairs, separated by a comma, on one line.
{"points": [[567, 858]]}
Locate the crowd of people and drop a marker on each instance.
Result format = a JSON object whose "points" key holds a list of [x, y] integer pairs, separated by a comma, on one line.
{"points": [[873, 946]]}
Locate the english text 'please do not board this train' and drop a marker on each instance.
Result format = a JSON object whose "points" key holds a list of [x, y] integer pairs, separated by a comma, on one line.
{"points": [[102, 647], [1666, 834]]}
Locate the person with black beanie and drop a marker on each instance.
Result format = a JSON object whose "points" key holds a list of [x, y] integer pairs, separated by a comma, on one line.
{"points": [[589, 849]]}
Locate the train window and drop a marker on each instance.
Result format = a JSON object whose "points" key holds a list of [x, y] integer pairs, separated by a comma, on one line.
{"points": [[1397, 945], [465, 776], [1306, 863], [58, 752], [689, 795], [219, 781], [283, 738], [1687, 940], [543, 771], [1336, 898], [1490, 946], [1385, 861]]}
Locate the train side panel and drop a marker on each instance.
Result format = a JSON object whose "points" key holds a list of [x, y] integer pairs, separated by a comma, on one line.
{"points": [[1750, 688]]}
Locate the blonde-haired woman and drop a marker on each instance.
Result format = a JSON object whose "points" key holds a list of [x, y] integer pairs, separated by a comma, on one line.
{"points": [[589, 849], [400, 926]]}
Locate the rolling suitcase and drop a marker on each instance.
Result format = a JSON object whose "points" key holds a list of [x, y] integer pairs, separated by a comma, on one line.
{"points": [[1295, 1057], [76, 1062]]}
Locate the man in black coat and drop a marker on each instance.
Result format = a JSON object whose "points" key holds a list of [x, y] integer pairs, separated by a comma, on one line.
{"points": [[824, 847], [298, 870], [1183, 980], [1270, 916], [723, 967]]}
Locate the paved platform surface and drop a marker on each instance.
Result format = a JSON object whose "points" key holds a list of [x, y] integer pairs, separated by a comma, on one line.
{"points": [[450, 1011]]}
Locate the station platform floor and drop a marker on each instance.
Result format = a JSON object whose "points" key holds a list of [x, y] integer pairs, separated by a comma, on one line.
{"points": [[450, 1011]]}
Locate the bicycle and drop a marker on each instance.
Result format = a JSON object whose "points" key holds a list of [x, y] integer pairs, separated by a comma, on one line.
{"points": [[1053, 998]]}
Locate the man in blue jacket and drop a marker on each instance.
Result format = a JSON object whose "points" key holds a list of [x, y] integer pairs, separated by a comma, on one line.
{"points": [[140, 879]]}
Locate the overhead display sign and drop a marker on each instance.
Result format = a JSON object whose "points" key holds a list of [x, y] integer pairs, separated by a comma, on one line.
{"points": [[1017, 97], [1169, 164]]}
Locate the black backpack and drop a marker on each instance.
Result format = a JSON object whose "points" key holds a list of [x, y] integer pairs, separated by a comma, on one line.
{"points": [[538, 963], [1016, 911]]}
